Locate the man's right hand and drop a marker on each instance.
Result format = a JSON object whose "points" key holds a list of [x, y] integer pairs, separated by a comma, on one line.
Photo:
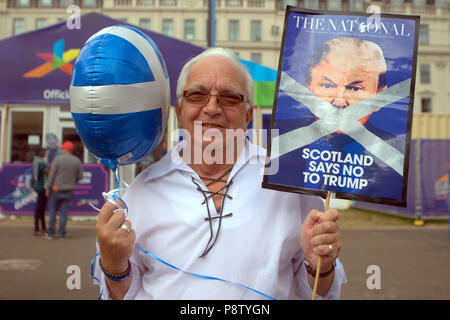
{"points": [[116, 244]]}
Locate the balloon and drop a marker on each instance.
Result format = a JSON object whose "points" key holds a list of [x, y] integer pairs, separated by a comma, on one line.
{"points": [[120, 95]]}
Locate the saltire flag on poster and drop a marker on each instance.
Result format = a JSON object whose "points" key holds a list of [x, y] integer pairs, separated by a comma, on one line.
{"points": [[343, 105]]}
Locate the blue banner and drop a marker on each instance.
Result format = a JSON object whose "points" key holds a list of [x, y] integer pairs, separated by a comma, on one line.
{"points": [[18, 197], [37, 66], [428, 192]]}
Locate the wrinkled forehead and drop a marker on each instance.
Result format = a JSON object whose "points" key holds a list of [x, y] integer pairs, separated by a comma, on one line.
{"points": [[218, 72]]}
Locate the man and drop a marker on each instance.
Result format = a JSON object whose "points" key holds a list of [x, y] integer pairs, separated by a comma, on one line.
{"points": [[65, 172], [40, 171], [212, 217], [345, 71]]}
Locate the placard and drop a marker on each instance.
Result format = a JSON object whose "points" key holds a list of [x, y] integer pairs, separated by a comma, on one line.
{"points": [[342, 113]]}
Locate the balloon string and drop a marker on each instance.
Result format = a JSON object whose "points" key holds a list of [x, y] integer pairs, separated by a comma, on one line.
{"points": [[95, 278], [114, 193], [203, 276], [111, 196]]}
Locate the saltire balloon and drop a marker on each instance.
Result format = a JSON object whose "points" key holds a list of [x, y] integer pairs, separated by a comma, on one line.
{"points": [[120, 95]]}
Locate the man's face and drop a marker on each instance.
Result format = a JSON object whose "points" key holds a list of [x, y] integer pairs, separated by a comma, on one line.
{"points": [[345, 79], [214, 75]]}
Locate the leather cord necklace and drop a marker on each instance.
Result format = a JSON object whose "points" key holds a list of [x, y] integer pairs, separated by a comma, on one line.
{"points": [[208, 195]]}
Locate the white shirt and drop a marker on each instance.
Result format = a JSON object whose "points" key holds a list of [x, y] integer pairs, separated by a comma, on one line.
{"points": [[258, 246]]}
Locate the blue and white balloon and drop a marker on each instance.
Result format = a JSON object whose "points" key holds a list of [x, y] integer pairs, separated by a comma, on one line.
{"points": [[120, 95]]}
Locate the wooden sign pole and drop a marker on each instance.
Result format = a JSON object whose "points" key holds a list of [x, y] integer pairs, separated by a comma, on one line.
{"points": [[316, 279]]}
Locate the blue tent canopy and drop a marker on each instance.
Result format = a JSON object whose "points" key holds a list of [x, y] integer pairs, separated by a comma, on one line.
{"points": [[36, 66]]}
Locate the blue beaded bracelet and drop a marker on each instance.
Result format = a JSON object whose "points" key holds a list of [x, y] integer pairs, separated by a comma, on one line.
{"points": [[116, 277]]}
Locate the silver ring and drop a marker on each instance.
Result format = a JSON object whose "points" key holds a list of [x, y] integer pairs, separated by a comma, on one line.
{"points": [[126, 228], [330, 248]]}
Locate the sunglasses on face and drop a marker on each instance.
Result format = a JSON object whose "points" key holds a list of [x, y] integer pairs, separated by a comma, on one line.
{"points": [[224, 99]]}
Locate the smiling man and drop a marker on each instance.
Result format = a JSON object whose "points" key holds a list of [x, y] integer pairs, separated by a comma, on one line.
{"points": [[345, 71], [215, 219], [219, 110]]}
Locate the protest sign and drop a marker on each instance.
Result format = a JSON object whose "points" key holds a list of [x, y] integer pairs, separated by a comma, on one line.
{"points": [[343, 105]]}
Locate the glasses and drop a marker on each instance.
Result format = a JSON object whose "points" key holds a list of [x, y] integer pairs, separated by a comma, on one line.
{"points": [[224, 99]]}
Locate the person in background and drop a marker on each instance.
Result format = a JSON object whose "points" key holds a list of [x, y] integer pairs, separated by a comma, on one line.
{"points": [[40, 171], [65, 172]]}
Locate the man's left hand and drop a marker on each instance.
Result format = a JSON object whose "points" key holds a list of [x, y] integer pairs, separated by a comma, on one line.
{"points": [[318, 232]]}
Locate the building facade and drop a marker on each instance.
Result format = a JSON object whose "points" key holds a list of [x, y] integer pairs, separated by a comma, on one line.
{"points": [[251, 28]]}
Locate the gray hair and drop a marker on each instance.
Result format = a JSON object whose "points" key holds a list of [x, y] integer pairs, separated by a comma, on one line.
{"points": [[221, 52], [366, 50]]}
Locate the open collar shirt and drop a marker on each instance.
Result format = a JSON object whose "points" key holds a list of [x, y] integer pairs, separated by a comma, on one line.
{"points": [[258, 246]]}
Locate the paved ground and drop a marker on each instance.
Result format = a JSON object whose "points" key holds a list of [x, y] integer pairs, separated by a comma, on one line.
{"points": [[414, 263], [48, 280]]}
